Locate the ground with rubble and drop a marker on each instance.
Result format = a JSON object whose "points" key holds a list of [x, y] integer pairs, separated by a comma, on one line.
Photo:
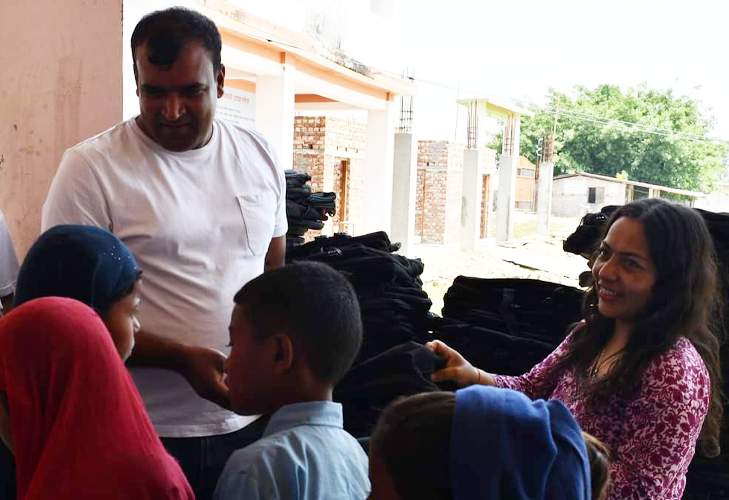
{"points": [[526, 256]]}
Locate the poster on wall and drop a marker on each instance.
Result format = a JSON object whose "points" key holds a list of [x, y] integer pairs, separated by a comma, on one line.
{"points": [[575, 186], [237, 106]]}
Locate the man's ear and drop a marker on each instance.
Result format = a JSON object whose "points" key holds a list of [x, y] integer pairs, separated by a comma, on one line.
{"points": [[220, 81], [136, 80], [283, 353]]}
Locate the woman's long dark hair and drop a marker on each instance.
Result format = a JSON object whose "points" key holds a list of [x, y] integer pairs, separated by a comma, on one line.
{"points": [[686, 302]]}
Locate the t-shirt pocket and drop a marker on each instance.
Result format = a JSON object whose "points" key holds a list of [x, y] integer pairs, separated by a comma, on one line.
{"points": [[259, 217]]}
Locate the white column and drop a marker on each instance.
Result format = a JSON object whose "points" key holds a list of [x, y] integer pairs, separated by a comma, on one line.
{"points": [[508, 165], [470, 200], [505, 197], [405, 171], [275, 96], [544, 197], [378, 170]]}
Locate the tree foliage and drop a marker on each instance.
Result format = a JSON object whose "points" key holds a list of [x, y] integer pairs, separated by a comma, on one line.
{"points": [[649, 135]]}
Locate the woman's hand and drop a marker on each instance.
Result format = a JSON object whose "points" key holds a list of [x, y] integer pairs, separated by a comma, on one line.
{"points": [[457, 369]]}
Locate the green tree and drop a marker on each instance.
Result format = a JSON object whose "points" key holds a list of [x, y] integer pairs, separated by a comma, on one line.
{"points": [[651, 135]]}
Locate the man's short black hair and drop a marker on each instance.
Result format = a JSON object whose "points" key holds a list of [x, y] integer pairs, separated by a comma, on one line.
{"points": [[314, 304], [168, 31]]}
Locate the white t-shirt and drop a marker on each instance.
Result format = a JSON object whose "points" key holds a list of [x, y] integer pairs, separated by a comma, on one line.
{"points": [[8, 261], [199, 224]]}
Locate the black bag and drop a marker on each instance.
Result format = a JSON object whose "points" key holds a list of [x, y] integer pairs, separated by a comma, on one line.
{"points": [[492, 351], [522, 308], [370, 386]]}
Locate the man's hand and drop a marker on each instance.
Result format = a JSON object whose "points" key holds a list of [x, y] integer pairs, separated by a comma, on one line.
{"points": [[204, 369], [457, 369]]}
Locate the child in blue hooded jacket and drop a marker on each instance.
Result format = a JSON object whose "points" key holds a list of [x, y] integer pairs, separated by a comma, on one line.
{"points": [[482, 443]]}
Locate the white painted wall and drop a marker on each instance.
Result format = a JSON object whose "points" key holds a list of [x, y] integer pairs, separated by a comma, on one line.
{"points": [[570, 195]]}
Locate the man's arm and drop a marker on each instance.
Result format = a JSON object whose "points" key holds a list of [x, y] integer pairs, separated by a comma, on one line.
{"points": [[202, 367], [276, 255]]}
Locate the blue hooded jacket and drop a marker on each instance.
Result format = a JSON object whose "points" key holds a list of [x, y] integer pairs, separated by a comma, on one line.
{"points": [[506, 446]]}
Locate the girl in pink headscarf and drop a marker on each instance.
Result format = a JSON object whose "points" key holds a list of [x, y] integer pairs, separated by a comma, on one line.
{"points": [[71, 413]]}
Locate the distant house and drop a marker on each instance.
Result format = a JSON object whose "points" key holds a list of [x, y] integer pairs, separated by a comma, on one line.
{"points": [[574, 195]]}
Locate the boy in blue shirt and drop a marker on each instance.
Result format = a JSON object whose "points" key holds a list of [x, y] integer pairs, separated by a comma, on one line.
{"points": [[295, 332]]}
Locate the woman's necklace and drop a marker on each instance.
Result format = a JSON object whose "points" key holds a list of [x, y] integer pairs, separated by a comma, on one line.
{"points": [[596, 365]]}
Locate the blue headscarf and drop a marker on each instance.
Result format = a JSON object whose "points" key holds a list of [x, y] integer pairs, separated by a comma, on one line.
{"points": [[85, 263], [503, 445]]}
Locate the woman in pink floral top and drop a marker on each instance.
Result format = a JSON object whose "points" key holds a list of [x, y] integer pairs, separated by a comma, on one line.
{"points": [[641, 372]]}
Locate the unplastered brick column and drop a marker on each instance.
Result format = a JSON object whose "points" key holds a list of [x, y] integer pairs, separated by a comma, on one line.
{"points": [[434, 206], [321, 145], [454, 190], [438, 191], [419, 201]]}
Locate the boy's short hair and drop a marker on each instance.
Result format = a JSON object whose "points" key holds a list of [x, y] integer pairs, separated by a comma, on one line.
{"points": [[313, 303]]}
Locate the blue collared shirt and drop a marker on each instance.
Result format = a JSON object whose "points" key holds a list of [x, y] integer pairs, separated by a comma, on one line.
{"points": [[304, 454]]}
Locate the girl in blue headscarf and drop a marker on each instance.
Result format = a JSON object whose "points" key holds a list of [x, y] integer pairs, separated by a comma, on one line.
{"points": [[90, 265], [481, 443]]}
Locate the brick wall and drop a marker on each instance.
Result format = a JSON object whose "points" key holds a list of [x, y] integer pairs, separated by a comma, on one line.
{"points": [[439, 190], [321, 144], [419, 199]]}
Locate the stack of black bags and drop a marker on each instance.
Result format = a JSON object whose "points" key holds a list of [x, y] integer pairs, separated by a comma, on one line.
{"points": [[506, 326], [393, 360], [707, 479], [304, 210]]}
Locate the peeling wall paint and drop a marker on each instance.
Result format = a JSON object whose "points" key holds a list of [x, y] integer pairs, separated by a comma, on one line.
{"points": [[61, 83]]}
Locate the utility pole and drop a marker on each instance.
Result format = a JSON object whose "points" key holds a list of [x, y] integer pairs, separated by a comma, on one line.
{"points": [[544, 185], [556, 116]]}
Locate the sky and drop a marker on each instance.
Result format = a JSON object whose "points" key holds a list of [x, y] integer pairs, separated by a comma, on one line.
{"points": [[517, 49]]}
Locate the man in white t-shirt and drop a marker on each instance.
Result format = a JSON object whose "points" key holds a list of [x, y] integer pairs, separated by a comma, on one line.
{"points": [[8, 267], [201, 204]]}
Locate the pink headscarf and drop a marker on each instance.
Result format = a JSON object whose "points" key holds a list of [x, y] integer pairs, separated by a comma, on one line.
{"points": [[80, 430]]}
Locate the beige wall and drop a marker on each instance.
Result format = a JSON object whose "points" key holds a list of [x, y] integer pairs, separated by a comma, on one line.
{"points": [[61, 82]]}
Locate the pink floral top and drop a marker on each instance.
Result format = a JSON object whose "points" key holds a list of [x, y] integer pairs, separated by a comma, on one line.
{"points": [[652, 438]]}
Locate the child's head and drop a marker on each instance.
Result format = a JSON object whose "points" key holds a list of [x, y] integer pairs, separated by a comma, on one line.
{"points": [[49, 348], [599, 457], [294, 332], [481, 442], [92, 266]]}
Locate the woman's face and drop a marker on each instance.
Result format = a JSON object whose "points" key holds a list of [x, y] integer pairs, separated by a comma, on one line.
{"points": [[624, 271], [121, 320]]}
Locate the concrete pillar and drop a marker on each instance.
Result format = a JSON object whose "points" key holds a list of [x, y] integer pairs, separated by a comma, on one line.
{"points": [[508, 165], [378, 170], [404, 176], [471, 200], [544, 197], [275, 97]]}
